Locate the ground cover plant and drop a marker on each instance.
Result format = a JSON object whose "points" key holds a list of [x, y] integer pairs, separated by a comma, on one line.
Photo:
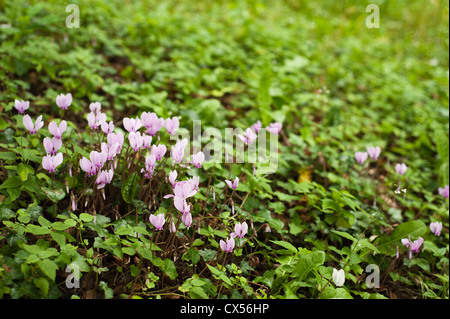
{"points": [[105, 191]]}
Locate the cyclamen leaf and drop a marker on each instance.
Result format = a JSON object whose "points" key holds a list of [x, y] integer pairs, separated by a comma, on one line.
{"points": [[286, 245], [48, 267], [129, 187], [307, 263]]}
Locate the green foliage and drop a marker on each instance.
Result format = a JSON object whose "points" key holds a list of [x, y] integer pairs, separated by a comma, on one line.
{"points": [[337, 87]]}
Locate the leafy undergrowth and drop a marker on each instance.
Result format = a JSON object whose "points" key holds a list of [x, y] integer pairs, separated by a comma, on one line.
{"points": [[100, 211]]}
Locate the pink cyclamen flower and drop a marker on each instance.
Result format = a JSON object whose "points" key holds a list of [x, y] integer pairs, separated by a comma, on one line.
{"points": [[171, 125], [257, 126], [436, 228], [444, 191], [151, 122], [172, 178], [98, 159], [51, 162], [234, 184], [111, 151], [132, 125], [28, 123], [104, 177], [413, 246], [198, 159], [194, 181], [159, 151], [107, 128], [401, 168], [240, 230], [157, 221], [184, 190], [21, 106], [374, 152], [150, 163], [64, 101], [87, 166], [95, 107], [361, 157], [249, 136], [57, 131], [227, 245], [178, 151], [181, 205], [136, 140], [52, 145], [146, 141], [187, 219], [274, 128], [114, 138], [95, 120]]}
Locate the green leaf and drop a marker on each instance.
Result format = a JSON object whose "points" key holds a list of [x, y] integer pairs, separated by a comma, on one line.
{"points": [[31, 155], [329, 205], [86, 217], [129, 187], [192, 255], [344, 234], [11, 182], [44, 222], [48, 267], [199, 292], [307, 263], [8, 156], [42, 284], [37, 230], [24, 170], [286, 245], [54, 195], [170, 269]]}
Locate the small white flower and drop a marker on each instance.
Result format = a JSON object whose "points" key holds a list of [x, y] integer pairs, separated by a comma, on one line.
{"points": [[338, 277]]}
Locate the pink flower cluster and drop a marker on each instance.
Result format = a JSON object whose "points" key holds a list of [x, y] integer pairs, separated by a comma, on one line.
{"points": [[250, 133]]}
